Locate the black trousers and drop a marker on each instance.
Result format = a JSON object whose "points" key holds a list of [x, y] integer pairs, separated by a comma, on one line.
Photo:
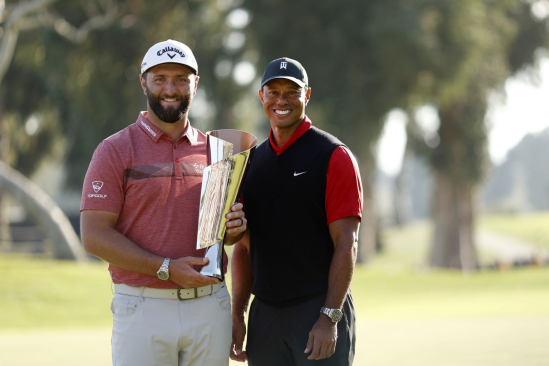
{"points": [[278, 336]]}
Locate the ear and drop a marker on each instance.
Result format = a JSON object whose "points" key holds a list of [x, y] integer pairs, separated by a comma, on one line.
{"points": [[143, 84], [261, 96], [196, 78], [307, 96]]}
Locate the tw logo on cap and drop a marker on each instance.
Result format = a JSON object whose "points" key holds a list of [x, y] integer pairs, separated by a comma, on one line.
{"points": [[283, 65], [97, 185]]}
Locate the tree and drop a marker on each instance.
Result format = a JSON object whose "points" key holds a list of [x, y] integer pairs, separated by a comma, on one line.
{"points": [[94, 89], [81, 95], [456, 54], [349, 95], [365, 58], [22, 16]]}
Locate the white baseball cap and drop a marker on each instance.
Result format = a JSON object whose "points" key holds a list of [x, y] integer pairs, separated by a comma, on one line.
{"points": [[169, 51]]}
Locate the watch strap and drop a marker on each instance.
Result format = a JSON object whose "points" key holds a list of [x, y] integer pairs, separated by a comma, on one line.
{"points": [[163, 272], [333, 314]]}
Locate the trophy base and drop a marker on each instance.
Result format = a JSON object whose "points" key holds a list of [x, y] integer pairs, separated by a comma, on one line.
{"points": [[215, 267]]}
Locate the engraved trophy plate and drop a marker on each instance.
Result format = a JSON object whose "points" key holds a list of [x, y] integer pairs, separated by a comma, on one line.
{"points": [[228, 155]]}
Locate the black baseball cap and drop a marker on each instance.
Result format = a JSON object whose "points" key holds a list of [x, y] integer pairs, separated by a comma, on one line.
{"points": [[285, 68]]}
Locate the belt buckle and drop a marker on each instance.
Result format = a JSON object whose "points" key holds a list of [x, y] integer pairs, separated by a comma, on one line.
{"points": [[179, 293]]}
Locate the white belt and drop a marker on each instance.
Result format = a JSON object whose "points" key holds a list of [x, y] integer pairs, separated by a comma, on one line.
{"points": [[172, 293]]}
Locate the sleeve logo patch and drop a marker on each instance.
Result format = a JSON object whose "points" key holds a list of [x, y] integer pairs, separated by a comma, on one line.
{"points": [[97, 185]]}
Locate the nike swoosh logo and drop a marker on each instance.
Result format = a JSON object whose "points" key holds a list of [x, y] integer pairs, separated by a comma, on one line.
{"points": [[171, 57], [296, 173]]}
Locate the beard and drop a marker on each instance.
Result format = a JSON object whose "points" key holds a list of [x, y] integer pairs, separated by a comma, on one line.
{"points": [[170, 114]]}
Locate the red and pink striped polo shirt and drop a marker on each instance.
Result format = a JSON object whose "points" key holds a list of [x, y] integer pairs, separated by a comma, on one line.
{"points": [[154, 185]]}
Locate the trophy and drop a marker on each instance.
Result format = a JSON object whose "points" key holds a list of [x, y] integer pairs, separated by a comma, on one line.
{"points": [[228, 156]]}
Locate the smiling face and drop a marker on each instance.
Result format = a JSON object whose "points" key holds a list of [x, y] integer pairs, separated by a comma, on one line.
{"points": [[284, 103], [170, 89]]}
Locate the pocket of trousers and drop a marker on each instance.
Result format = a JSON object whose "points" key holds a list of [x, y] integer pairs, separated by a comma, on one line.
{"points": [[223, 298], [123, 306]]}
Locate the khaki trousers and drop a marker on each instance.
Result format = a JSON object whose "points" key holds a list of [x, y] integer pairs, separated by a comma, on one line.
{"points": [[164, 332]]}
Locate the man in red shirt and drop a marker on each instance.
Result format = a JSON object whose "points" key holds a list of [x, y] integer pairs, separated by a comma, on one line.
{"points": [[303, 199], [139, 212]]}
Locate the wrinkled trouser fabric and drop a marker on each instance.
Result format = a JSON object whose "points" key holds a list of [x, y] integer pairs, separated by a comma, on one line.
{"points": [[162, 332], [279, 336]]}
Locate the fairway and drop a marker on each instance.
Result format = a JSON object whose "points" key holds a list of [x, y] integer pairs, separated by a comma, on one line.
{"points": [[531, 227], [56, 313], [381, 342]]}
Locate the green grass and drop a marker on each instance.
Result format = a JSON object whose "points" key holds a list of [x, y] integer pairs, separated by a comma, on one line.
{"points": [[533, 228], [39, 293], [429, 295], [397, 284], [407, 315]]}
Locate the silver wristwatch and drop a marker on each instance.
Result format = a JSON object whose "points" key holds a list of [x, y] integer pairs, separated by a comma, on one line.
{"points": [[334, 314], [163, 273]]}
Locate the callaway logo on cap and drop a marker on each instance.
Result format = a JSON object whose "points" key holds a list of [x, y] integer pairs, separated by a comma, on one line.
{"points": [[285, 68], [169, 51]]}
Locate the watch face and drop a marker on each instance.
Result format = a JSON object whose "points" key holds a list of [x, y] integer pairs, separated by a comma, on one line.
{"points": [[163, 275], [336, 315]]}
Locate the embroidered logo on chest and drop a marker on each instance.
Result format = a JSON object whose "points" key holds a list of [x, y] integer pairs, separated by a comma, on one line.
{"points": [[199, 168]]}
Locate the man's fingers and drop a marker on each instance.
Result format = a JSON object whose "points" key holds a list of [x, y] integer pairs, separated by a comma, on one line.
{"points": [[237, 207], [237, 222], [309, 344], [236, 212], [235, 215], [319, 350], [326, 351], [239, 358], [194, 261], [232, 354], [330, 349], [238, 347], [315, 355], [236, 353], [185, 275]]}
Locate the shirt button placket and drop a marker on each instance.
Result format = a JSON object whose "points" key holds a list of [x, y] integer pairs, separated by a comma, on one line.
{"points": [[177, 164]]}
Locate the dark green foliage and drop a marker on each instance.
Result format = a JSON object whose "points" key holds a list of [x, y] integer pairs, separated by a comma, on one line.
{"points": [[333, 42], [452, 54], [93, 88], [363, 59]]}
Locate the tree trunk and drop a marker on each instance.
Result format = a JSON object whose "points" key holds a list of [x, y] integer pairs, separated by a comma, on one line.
{"points": [[453, 244], [403, 195], [45, 211], [5, 232], [369, 238], [404, 212]]}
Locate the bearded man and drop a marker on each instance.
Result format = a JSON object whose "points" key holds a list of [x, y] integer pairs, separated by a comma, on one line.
{"points": [[139, 212]]}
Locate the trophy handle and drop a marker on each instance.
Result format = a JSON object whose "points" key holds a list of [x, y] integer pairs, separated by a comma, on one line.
{"points": [[215, 268]]}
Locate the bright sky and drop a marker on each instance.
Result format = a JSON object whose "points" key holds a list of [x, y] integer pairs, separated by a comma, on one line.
{"points": [[525, 110]]}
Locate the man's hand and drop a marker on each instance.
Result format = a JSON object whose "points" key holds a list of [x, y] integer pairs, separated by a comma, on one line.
{"points": [[183, 273], [322, 339], [236, 224], [239, 332]]}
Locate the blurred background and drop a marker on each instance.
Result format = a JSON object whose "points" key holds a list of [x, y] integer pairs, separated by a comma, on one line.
{"points": [[443, 103]]}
